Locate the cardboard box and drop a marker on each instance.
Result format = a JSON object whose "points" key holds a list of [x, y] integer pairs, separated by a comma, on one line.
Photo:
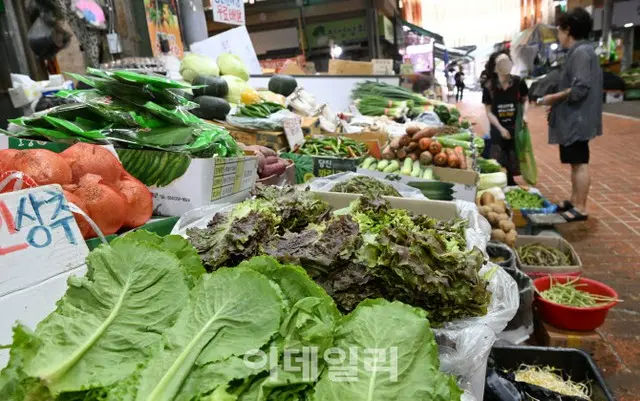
{"points": [[271, 139], [554, 242], [550, 336], [197, 183], [203, 180], [347, 67]]}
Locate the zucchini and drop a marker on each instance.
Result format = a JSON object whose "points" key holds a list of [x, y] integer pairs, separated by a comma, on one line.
{"points": [[407, 166], [393, 166], [383, 164]]}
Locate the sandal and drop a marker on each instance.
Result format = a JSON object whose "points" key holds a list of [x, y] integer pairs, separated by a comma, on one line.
{"points": [[573, 215], [565, 206]]}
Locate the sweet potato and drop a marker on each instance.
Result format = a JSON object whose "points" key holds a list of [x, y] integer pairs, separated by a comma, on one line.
{"points": [[106, 206], [412, 146], [261, 149], [276, 169], [6, 155], [83, 224], [271, 160], [424, 133], [44, 166], [86, 159], [412, 129], [412, 156], [139, 201]]}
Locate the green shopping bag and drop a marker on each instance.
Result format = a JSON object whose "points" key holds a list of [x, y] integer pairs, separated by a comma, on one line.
{"points": [[524, 150]]}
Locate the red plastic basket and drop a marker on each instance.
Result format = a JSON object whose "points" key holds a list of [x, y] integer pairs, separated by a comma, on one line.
{"points": [[569, 317]]}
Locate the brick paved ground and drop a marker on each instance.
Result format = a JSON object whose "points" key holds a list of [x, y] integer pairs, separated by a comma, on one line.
{"points": [[609, 242]]}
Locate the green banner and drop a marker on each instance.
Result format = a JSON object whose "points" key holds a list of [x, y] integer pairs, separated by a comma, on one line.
{"points": [[352, 29]]}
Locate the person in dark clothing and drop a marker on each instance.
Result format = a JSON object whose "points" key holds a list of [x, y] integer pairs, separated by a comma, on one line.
{"points": [[576, 107], [459, 78], [502, 94]]}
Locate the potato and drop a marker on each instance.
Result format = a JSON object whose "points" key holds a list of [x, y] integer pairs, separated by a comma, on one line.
{"points": [[501, 203], [498, 208], [498, 235], [493, 218], [510, 238], [485, 210], [503, 216], [506, 225], [487, 198]]}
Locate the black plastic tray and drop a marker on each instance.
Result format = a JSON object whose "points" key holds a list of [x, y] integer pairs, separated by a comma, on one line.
{"points": [[573, 362]]}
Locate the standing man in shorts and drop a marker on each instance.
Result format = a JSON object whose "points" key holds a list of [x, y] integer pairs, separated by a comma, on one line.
{"points": [[576, 109]]}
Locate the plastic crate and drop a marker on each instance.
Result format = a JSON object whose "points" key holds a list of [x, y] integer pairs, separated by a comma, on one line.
{"points": [[572, 362]]}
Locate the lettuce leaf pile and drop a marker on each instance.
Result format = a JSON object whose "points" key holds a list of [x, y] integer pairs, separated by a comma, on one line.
{"points": [[368, 250], [146, 323]]}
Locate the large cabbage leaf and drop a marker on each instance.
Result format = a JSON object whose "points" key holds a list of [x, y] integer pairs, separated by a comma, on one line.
{"points": [[230, 64], [378, 329], [230, 312], [108, 320]]}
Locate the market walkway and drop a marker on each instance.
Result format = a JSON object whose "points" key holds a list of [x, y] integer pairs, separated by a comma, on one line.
{"points": [[609, 242]]}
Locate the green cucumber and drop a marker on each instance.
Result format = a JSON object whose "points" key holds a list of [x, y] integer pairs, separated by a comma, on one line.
{"points": [[155, 174]]}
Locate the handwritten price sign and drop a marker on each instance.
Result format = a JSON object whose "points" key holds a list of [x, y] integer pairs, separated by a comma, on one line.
{"points": [[229, 11], [39, 237]]}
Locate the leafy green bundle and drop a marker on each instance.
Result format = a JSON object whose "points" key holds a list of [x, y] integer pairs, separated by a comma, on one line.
{"points": [[131, 109], [147, 323], [365, 185], [368, 250]]}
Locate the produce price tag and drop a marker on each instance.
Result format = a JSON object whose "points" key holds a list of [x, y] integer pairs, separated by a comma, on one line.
{"points": [[293, 131], [39, 237], [228, 11]]}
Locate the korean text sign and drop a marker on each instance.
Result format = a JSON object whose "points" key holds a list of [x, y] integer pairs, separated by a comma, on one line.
{"points": [[229, 11], [39, 237]]}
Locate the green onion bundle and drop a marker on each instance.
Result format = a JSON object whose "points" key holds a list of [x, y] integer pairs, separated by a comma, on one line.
{"points": [[569, 294], [379, 106], [391, 92]]}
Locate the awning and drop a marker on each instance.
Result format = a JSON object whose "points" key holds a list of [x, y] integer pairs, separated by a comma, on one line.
{"points": [[423, 32], [453, 53]]}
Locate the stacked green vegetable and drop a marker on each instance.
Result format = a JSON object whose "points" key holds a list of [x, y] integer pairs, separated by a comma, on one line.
{"points": [[381, 99], [365, 185], [146, 323], [130, 109], [570, 294], [518, 198], [338, 146], [259, 110], [368, 250], [542, 255]]}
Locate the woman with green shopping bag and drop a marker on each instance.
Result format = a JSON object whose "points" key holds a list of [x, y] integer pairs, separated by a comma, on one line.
{"points": [[503, 96]]}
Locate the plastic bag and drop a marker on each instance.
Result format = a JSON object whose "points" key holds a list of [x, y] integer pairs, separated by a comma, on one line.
{"points": [[46, 40], [91, 12], [524, 151], [275, 122], [325, 184], [498, 249], [464, 353]]}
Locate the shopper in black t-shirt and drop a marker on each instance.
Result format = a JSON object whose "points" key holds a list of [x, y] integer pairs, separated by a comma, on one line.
{"points": [[501, 95]]}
